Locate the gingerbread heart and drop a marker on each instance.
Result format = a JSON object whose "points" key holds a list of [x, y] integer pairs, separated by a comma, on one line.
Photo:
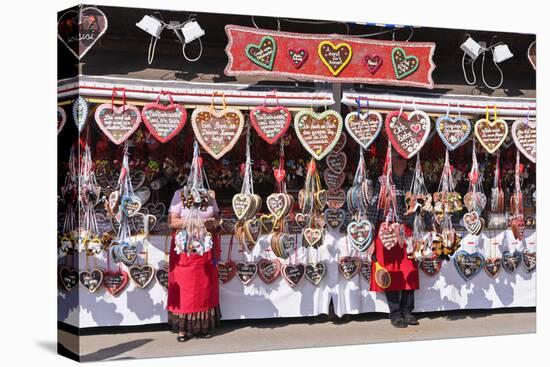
{"points": [[360, 234], [403, 65], [364, 128], [468, 265], [336, 198], [268, 223], [511, 260], [61, 119], [340, 144], [315, 272], [263, 54], [298, 57], [472, 223], [217, 130], [366, 269], [313, 236], [336, 161], [270, 123], [293, 273], [524, 134], [278, 205], [246, 271], [302, 219], [492, 266], [269, 270], [349, 266], [453, 131], [68, 278], [80, 29], [115, 281], [335, 57], [430, 265], [141, 275], [528, 260], [164, 121], [373, 62], [333, 180], [91, 280], [117, 123], [491, 134], [162, 276], [388, 234], [318, 132], [226, 271], [242, 204], [407, 132], [335, 218]]}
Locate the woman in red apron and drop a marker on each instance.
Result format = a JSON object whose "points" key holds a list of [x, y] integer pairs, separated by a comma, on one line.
{"points": [[402, 270], [193, 291]]}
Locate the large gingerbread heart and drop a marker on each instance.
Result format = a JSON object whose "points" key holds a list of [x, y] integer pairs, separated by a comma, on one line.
{"points": [[491, 134], [318, 132], [79, 32], [270, 123], [164, 121], [117, 123], [115, 281], [263, 54], [335, 57], [468, 265], [524, 134], [364, 128], [407, 132], [453, 131], [217, 130], [403, 65]]}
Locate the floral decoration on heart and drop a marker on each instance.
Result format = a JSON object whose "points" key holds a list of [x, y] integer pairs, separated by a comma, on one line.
{"points": [[407, 132], [335, 57], [491, 134], [524, 134], [363, 128], [263, 54], [403, 65], [164, 121], [318, 132], [217, 130]]}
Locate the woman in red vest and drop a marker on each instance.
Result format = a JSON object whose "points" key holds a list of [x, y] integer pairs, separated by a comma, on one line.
{"points": [[193, 290], [402, 270]]}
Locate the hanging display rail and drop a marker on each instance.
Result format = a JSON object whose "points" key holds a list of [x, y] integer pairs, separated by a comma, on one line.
{"points": [[190, 94], [438, 103]]}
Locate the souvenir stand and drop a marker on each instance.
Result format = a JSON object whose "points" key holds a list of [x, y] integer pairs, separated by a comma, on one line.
{"points": [[293, 146]]}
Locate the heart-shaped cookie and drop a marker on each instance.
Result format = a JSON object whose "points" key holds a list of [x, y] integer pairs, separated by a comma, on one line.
{"points": [[302, 219], [373, 62], [268, 222], [126, 253], [491, 134], [242, 204], [80, 29], [528, 260], [298, 57], [315, 272], [335, 57], [115, 281], [360, 234], [278, 204], [349, 266], [453, 131], [318, 132], [68, 278], [335, 218], [313, 237], [333, 180], [336, 161], [511, 260], [364, 128], [524, 134], [270, 123], [164, 121], [246, 271], [403, 64], [336, 198], [130, 205], [226, 271], [472, 223], [293, 273], [388, 234], [162, 276], [492, 266], [468, 265], [269, 270], [91, 280], [430, 265], [407, 132], [217, 130], [117, 123], [141, 275], [263, 54], [252, 230]]}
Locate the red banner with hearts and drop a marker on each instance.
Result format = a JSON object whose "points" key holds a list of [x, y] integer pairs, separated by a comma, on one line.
{"points": [[333, 58]]}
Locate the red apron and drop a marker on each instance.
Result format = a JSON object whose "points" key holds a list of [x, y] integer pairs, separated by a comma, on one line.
{"points": [[403, 272], [193, 280]]}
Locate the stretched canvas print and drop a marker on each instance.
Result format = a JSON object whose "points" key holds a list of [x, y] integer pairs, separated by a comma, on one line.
{"points": [[241, 183]]}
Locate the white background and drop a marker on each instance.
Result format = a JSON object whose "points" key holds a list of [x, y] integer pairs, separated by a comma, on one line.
{"points": [[28, 315]]}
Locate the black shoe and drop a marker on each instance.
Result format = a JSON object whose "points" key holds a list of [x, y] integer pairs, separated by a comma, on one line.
{"points": [[184, 338], [398, 323], [409, 319]]}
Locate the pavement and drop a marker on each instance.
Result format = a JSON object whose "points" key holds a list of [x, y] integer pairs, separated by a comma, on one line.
{"points": [[289, 333]]}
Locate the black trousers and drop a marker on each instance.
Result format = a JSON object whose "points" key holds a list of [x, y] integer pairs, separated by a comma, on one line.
{"points": [[400, 302]]}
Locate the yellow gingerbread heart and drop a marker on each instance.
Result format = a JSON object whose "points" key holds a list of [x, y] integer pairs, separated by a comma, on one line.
{"points": [[335, 58]]}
